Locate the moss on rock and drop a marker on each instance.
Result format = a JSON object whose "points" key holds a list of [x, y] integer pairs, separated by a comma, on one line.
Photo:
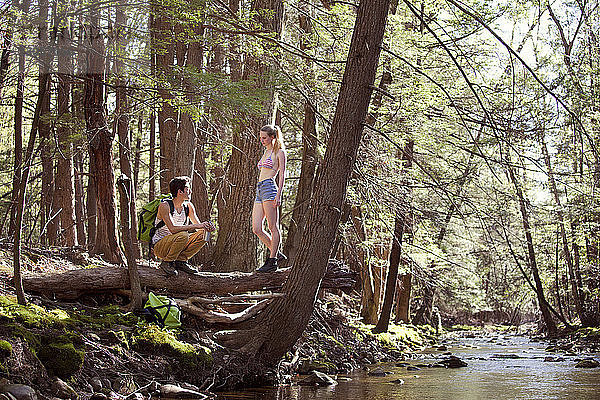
{"points": [[5, 348], [61, 358], [152, 338]]}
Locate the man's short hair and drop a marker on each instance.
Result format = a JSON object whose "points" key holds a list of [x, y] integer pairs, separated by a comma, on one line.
{"points": [[178, 183]]}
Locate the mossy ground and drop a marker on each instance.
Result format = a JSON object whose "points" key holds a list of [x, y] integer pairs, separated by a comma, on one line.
{"points": [[66, 339]]}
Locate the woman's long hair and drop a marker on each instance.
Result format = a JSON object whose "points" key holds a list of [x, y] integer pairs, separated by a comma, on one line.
{"points": [[274, 132]]}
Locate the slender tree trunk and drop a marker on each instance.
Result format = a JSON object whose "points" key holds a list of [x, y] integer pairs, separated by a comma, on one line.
{"points": [[21, 190], [310, 154], [575, 289], [265, 344], [64, 177], [137, 159], [100, 139], [18, 127], [369, 302], [125, 188], [122, 122], [531, 259], [79, 199], [152, 117], [396, 253], [7, 38]]}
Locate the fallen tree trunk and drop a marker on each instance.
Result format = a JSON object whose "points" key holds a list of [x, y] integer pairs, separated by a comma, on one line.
{"points": [[73, 284]]}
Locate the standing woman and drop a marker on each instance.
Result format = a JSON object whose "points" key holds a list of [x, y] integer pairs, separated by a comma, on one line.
{"points": [[268, 194]]}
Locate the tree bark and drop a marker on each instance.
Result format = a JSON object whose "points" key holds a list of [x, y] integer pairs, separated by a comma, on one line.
{"points": [[265, 344], [100, 139]]}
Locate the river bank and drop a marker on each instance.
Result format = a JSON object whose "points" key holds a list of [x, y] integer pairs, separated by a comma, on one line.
{"points": [[92, 349]]}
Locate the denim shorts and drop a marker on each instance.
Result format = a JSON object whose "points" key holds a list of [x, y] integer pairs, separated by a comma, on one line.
{"points": [[266, 190]]}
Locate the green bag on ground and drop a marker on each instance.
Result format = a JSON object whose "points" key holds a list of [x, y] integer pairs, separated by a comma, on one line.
{"points": [[163, 310]]}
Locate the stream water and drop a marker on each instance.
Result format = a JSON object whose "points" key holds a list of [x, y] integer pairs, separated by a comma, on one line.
{"points": [[499, 367]]}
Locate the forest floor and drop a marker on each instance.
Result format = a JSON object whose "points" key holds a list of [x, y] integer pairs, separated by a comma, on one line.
{"points": [[93, 349]]}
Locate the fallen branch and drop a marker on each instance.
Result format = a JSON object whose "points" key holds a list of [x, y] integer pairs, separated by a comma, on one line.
{"points": [[215, 317], [72, 284]]}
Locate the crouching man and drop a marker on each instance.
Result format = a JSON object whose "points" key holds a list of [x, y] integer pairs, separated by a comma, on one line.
{"points": [[179, 234]]}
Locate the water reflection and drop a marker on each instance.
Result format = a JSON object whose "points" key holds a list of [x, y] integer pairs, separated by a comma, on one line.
{"points": [[491, 374]]}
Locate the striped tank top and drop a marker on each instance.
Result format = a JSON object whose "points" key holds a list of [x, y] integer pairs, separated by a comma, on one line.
{"points": [[178, 218]]}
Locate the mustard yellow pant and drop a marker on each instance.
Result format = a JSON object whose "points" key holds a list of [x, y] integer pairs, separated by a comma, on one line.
{"points": [[180, 246]]}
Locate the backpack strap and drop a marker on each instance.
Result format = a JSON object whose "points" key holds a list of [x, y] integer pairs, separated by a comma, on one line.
{"points": [[161, 223]]}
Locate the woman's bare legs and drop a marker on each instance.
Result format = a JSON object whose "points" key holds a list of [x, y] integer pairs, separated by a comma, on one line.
{"points": [[258, 218], [271, 211]]}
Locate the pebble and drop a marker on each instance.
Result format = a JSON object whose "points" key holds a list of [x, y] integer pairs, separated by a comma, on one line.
{"points": [[590, 363], [63, 391], [319, 379], [379, 372]]}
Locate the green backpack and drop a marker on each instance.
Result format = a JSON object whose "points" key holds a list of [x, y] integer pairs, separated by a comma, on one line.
{"points": [[147, 217], [162, 310]]}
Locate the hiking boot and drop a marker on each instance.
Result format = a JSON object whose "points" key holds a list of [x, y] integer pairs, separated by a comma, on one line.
{"points": [[168, 268], [185, 267], [269, 266], [281, 257]]}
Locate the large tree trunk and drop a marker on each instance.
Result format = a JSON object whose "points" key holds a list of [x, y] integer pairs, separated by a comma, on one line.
{"points": [[100, 139], [531, 259], [236, 245], [64, 177], [264, 342], [403, 302], [167, 115]]}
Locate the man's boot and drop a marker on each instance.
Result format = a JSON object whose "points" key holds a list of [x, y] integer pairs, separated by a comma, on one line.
{"points": [[168, 268], [185, 267]]}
